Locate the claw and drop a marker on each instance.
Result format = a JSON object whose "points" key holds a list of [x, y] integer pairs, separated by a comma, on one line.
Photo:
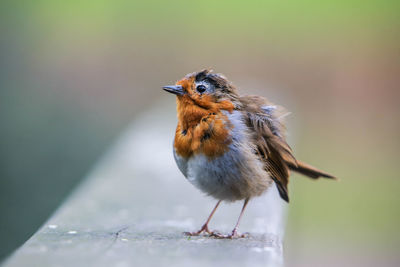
{"points": [[233, 235], [218, 235], [204, 228]]}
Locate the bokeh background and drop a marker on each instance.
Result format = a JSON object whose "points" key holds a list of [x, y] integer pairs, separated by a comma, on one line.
{"points": [[74, 74]]}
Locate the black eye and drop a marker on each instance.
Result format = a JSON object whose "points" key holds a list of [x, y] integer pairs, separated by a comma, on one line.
{"points": [[201, 88]]}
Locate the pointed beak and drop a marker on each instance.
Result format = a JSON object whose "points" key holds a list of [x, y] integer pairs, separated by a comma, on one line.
{"points": [[174, 89]]}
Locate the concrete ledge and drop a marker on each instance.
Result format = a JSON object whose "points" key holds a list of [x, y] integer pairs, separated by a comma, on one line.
{"points": [[133, 207]]}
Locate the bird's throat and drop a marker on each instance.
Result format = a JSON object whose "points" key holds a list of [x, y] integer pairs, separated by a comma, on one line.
{"points": [[202, 130]]}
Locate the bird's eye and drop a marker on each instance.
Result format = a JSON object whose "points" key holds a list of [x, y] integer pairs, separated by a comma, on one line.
{"points": [[201, 88]]}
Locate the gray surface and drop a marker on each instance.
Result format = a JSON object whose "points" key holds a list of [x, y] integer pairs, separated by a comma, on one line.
{"points": [[134, 206]]}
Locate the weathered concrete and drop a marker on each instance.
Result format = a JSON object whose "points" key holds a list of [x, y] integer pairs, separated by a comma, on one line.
{"points": [[134, 206]]}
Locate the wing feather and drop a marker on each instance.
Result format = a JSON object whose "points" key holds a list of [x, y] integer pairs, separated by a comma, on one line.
{"points": [[269, 135]]}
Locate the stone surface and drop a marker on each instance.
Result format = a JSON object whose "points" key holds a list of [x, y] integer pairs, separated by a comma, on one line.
{"points": [[134, 206]]}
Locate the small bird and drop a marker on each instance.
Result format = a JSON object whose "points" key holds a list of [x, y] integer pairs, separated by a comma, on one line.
{"points": [[229, 146]]}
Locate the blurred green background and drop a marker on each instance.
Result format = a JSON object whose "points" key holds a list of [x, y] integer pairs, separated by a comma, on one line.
{"points": [[73, 74]]}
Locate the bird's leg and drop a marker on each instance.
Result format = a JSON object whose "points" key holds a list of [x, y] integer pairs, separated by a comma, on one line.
{"points": [[204, 228], [234, 233]]}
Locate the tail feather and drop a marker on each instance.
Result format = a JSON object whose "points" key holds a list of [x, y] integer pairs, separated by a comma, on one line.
{"points": [[309, 170]]}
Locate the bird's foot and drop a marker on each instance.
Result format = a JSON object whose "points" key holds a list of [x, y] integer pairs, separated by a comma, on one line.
{"points": [[233, 235], [204, 229]]}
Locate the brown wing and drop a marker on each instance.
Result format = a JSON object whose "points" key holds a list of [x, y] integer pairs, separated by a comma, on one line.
{"points": [[269, 136], [265, 120]]}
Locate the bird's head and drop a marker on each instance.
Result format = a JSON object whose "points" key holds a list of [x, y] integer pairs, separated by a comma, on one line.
{"points": [[205, 89]]}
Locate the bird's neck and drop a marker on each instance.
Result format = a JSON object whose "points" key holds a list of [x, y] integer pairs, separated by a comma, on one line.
{"points": [[202, 129], [190, 112]]}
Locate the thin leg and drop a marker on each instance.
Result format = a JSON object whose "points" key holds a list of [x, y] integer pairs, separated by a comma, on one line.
{"points": [[234, 233], [204, 228]]}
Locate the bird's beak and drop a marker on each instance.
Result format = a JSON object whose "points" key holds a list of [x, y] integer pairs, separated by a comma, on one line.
{"points": [[174, 89]]}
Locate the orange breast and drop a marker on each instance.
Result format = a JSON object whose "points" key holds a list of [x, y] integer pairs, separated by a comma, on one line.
{"points": [[201, 131]]}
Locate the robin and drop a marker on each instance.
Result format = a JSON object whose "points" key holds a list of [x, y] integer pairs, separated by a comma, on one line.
{"points": [[229, 146]]}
